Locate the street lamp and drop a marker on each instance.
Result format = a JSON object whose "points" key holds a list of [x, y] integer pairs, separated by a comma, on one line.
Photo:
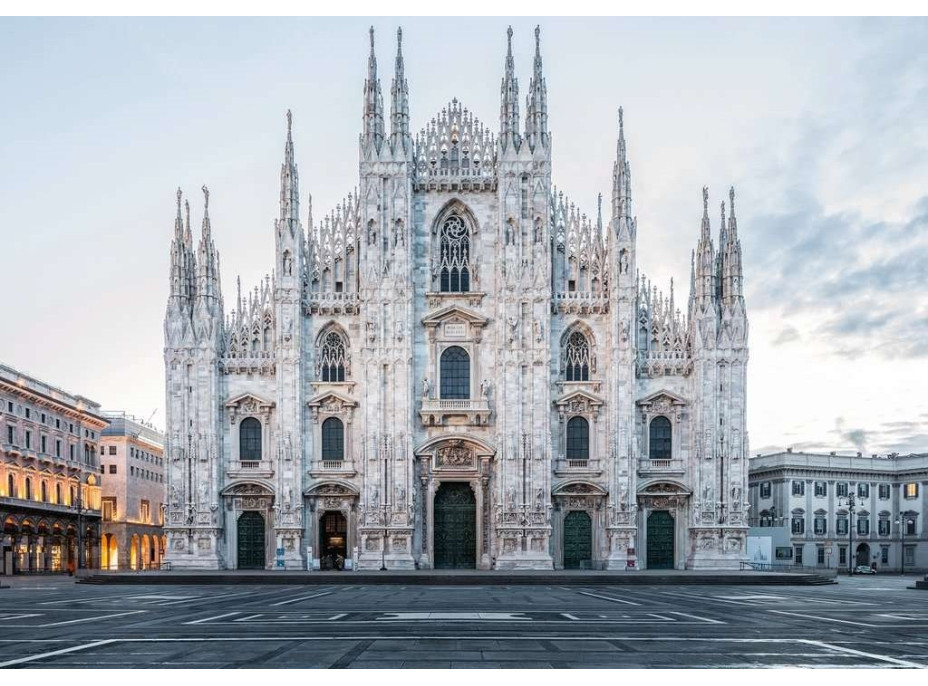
{"points": [[903, 521], [851, 501]]}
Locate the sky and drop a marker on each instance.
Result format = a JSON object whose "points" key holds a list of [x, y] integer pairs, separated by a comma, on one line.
{"points": [[820, 125]]}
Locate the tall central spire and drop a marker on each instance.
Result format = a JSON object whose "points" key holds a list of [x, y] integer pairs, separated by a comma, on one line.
{"points": [[289, 179], [509, 107], [536, 115], [621, 182], [373, 103], [399, 113]]}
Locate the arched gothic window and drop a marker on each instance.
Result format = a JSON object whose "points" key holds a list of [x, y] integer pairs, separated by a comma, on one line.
{"points": [[659, 439], [577, 358], [333, 358], [333, 439], [249, 440], [28, 489], [454, 261], [455, 374], [44, 491], [58, 493], [578, 439], [11, 486]]}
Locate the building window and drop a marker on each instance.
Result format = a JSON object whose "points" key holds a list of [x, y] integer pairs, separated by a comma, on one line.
{"points": [[765, 489], [44, 443], [10, 486], [820, 555], [28, 489], [821, 525], [112, 450], [43, 490], [863, 525], [909, 555], [821, 489], [57, 447], [332, 366], [659, 439], [455, 374], [884, 555], [112, 469], [910, 490], [333, 439], [799, 488], [71, 451], [577, 358], [454, 261], [28, 440], [842, 490], [842, 555], [58, 494], [863, 490], [249, 438], [799, 524], [109, 509], [145, 512], [798, 556], [10, 436], [883, 527], [884, 491], [911, 526], [578, 439]]}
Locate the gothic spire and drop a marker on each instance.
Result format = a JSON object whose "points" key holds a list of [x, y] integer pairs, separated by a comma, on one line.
{"points": [[179, 254], [509, 95], [289, 179], [621, 182], [731, 272], [705, 256], [399, 113], [373, 103], [208, 272], [536, 114]]}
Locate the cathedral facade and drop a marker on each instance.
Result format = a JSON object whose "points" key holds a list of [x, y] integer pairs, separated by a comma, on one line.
{"points": [[456, 368]]}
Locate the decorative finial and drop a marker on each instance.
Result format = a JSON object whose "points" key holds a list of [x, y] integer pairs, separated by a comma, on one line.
{"points": [[399, 38], [731, 197], [179, 194], [509, 39], [621, 122], [372, 38], [187, 210], [705, 199], [723, 212], [205, 196], [289, 121], [537, 38]]}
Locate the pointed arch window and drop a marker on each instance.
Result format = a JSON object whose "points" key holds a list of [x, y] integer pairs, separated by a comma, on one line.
{"points": [[454, 260], [333, 358], [660, 439], [578, 439], [577, 357], [455, 374], [249, 440], [333, 439]]}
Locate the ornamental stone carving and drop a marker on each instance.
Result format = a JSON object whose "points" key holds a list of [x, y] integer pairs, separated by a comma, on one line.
{"points": [[455, 455]]}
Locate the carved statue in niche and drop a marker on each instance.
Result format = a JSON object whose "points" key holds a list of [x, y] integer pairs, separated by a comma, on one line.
{"points": [[513, 324], [539, 330], [375, 497], [736, 493], [485, 388], [288, 264], [426, 387], [540, 498], [400, 496], [511, 498]]}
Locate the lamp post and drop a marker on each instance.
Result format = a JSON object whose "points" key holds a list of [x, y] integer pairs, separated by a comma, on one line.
{"points": [[903, 522], [851, 501], [383, 543]]}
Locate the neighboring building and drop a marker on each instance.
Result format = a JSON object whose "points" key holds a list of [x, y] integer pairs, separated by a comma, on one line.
{"points": [[800, 500], [49, 476], [457, 368], [132, 466]]}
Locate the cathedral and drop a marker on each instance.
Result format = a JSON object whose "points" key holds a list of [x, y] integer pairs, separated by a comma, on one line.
{"points": [[456, 368]]}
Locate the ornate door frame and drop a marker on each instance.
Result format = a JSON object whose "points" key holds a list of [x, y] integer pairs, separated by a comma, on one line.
{"points": [[249, 496], [332, 496], [670, 496], [579, 495]]}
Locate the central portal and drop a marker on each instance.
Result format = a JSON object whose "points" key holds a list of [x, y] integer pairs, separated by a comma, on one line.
{"points": [[660, 540], [251, 540], [455, 526], [334, 540], [578, 540]]}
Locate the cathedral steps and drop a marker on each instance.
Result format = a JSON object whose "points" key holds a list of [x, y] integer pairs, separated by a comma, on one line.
{"points": [[464, 578]]}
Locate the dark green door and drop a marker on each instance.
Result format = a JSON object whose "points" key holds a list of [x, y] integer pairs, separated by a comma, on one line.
{"points": [[455, 527], [660, 540], [578, 540], [251, 540]]}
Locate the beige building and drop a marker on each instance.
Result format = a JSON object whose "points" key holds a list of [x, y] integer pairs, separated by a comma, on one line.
{"points": [[49, 476], [132, 474]]}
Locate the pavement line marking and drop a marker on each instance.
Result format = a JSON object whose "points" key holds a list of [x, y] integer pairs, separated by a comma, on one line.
{"points": [[332, 619], [702, 619], [852, 651], [826, 619], [91, 619], [305, 597], [570, 616], [209, 619], [606, 597], [41, 656], [245, 619]]}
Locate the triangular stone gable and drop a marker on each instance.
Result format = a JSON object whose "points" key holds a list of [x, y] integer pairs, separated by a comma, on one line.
{"points": [[662, 396], [452, 313], [331, 397], [249, 399]]}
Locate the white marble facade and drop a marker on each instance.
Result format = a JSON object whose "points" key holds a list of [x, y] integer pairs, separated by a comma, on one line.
{"points": [[456, 320]]}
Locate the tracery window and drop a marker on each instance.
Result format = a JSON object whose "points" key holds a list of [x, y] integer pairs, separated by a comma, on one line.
{"points": [[577, 358], [454, 261], [249, 438], [659, 439], [333, 358], [455, 374], [333, 439], [578, 439]]}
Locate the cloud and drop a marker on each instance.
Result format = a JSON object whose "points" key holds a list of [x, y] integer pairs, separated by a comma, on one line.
{"points": [[787, 335]]}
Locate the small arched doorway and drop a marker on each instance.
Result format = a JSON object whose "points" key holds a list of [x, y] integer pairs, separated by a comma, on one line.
{"points": [[333, 540], [863, 555], [455, 541], [113, 552], [134, 552], [250, 530], [146, 552], [660, 540], [578, 540]]}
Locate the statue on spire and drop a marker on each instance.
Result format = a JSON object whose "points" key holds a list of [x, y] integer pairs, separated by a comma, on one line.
{"points": [[205, 197]]}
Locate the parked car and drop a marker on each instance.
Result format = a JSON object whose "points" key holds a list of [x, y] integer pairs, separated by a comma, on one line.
{"points": [[864, 569]]}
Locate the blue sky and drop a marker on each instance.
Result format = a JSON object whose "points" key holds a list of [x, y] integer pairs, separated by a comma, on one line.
{"points": [[819, 123]]}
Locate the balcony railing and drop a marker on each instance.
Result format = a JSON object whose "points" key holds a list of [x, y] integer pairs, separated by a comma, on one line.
{"points": [[251, 468], [567, 466], [662, 466], [325, 467], [434, 410]]}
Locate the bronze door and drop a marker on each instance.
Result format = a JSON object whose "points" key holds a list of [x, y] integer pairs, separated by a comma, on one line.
{"points": [[455, 527], [578, 540], [660, 540], [251, 553]]}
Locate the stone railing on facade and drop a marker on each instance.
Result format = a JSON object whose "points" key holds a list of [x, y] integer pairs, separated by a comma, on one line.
{"points": [[249, 363], [646, 466], [253, 468], [321, 468], [579, 302], [331, 303], [434, 410], [661, 362], [572, 467]]}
